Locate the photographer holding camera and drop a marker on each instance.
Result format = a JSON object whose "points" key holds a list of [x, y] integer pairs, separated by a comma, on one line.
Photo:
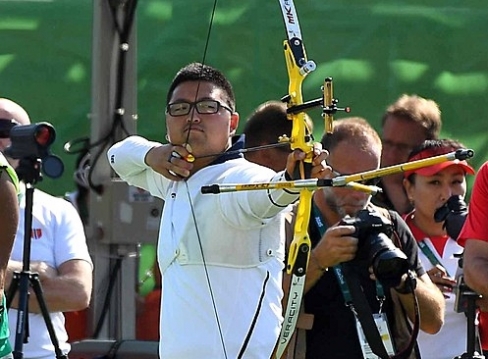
{"points": [[474, 238], [59, 255], [434, 191], [9, 218], [361, 246]]}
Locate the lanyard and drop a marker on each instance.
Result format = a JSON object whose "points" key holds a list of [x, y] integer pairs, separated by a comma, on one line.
{"points": [[321, 225], [424, 247]]}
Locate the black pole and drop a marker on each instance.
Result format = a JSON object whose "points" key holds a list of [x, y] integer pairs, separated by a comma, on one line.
{"points": [[472, 339], [30, 173]]}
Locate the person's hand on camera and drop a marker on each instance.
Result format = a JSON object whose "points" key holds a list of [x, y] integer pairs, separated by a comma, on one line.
{"points": [[336, 246], [438, 276], [453, 213]]}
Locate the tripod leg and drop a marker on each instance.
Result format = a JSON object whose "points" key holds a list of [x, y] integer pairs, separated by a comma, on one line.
{"points": [[14, 286], [36, 286], [22, 313]]}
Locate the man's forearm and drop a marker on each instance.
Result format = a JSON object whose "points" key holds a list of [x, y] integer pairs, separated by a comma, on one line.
{"points": [[475, 265], [61, 294], [431, 305], [67, 290]]}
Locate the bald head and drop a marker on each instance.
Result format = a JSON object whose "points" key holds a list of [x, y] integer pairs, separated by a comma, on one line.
{"points": [[9, 110]]}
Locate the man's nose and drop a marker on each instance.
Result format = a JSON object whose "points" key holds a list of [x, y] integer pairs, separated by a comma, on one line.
{"points": [[193, 116]]}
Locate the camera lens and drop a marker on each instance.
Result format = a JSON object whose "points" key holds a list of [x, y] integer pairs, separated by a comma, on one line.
{"points": [[389, 263]]}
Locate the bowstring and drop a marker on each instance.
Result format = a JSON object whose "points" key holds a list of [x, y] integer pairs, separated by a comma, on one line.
{"points": [[192, 209]]}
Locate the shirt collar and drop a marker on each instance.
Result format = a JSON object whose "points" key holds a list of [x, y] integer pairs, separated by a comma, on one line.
{"points": [[232, 152]]}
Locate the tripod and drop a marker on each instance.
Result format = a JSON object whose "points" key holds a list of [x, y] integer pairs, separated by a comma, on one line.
{"points": [[472, 338], [29, 171]]}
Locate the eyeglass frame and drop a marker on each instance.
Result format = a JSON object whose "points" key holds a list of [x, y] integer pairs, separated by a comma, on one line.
{"points": [[195, 106], [5, 130]]}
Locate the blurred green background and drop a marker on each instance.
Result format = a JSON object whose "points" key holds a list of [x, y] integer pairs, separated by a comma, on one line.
{"points": [[374, 50]]}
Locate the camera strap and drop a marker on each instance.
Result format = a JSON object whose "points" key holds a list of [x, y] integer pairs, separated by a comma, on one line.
{"points": [[356, 300], [425, 248], [363, 313]]}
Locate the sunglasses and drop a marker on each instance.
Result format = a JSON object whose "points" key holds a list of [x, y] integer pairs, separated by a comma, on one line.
{"points": [[5, 127]]}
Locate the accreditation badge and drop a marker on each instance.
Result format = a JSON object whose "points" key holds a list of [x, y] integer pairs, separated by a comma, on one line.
{"points": [[383, 329]]}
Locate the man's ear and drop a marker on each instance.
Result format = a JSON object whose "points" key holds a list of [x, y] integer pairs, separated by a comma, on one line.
{"points": [[234, 122]]}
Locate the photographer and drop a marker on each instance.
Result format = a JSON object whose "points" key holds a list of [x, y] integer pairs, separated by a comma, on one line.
{"points": [[354, 147], [474, 238], [9, 218], [58, 254], [432, 191]]}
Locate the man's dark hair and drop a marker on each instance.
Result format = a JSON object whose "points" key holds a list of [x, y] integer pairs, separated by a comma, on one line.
{"points": [[432, 148], [202, 73], [266, 124]]}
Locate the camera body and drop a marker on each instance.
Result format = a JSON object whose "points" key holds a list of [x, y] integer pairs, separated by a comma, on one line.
{"points": [[453, 213], [375, 246], [31, 145]]}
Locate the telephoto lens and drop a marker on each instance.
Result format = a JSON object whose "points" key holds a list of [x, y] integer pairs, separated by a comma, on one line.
{"points": [[373, 231]]}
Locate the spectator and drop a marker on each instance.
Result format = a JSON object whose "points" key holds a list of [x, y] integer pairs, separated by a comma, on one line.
{"points": [[220, 256], [406, 124], [266, 126], [429, 189], [474, 238], [355, 147], [58, 254], [9, 218]]}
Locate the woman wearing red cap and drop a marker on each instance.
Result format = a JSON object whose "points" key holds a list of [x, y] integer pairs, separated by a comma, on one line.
{"points": [[429, 189]]}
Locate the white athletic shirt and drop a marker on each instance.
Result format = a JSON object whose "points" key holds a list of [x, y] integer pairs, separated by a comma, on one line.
{"points": [[57, 237], [242, 236]]}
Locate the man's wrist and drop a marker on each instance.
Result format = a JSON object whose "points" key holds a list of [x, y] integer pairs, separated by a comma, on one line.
{"points": [[316, 262]]}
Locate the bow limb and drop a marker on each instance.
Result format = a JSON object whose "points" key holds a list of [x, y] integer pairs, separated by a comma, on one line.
{"points": [[299, 253]]}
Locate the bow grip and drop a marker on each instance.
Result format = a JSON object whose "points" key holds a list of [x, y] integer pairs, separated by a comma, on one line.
{"points": [[302, 170], [300, 252]]}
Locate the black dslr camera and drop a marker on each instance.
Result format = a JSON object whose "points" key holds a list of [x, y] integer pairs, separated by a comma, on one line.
{"points": [[375, 246], [31, 144], [453, 213]]}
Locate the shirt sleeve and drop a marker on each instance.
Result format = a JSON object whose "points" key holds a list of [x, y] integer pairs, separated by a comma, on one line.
{"points": [[476, 225], [69, 236], [127, 158]]}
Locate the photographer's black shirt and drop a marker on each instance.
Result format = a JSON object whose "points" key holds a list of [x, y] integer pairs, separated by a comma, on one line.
{"points": [[334, 334]]}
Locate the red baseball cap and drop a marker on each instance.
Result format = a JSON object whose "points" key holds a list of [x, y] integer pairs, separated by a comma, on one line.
{"points": [[432, 170]]}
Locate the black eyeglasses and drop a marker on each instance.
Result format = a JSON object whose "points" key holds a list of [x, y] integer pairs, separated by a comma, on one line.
{"points": [[203, 107], [5, 126]]}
